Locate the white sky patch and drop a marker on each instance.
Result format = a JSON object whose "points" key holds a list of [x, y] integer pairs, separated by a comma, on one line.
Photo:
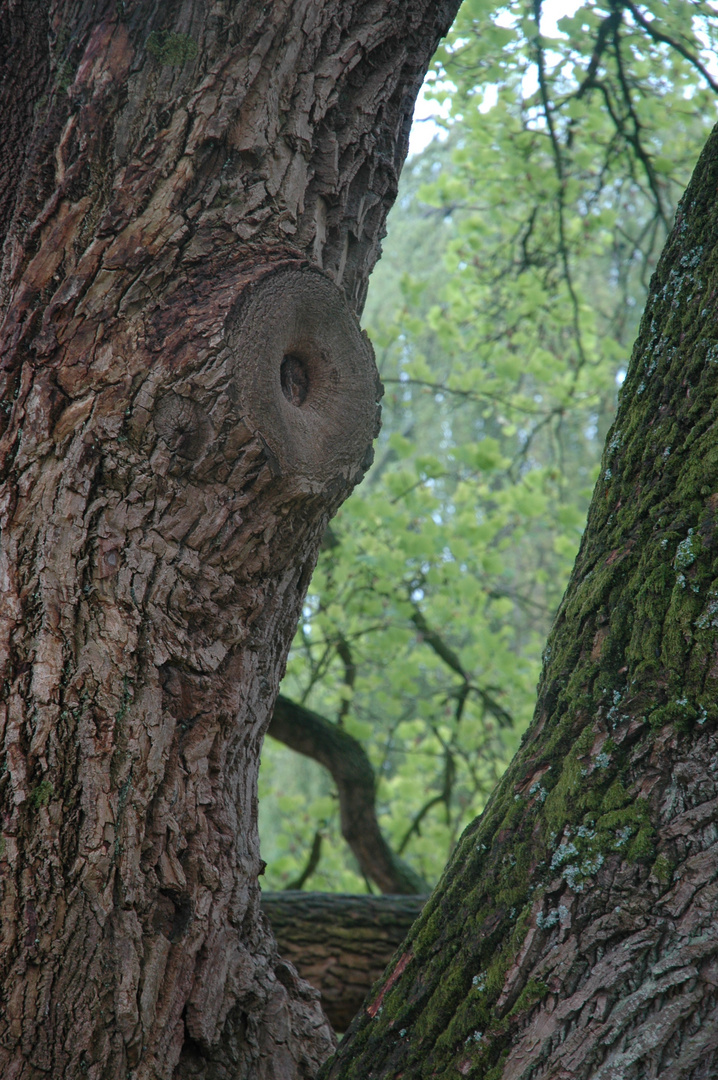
{"points": [[552, 11], [424, 127], [708, 57]]}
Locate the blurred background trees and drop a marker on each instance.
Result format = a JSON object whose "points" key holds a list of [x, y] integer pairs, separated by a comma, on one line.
{"points": [[502, 314]]}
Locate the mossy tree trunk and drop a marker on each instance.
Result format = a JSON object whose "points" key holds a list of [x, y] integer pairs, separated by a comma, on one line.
{"points": [[575, 931], [192, 198]]}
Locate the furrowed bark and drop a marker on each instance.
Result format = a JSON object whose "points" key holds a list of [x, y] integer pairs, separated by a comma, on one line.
{"points": [[574, 932], [196, 196], [345, 758], [340, 943]]}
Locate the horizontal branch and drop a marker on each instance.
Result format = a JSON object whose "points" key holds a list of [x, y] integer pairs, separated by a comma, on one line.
{"points": [[338, 943]]}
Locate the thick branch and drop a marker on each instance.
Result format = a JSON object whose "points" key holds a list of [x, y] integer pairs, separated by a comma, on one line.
{"points": [[340, 944], [310, 734]]}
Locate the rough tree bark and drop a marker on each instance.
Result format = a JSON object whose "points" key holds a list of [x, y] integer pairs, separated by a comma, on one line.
{"points": [[192, 199], [574, 933], [340, 943]]}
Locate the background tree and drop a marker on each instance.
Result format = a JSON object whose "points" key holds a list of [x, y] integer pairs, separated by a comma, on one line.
{"points": [[191, 202], [423, 629]]}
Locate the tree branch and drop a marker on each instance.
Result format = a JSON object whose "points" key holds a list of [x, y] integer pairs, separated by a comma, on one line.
{"points": [[312, 735], [470, 395], [447, 654], [339, 943], [558, 160], [444, 797], [635, 138], [312, 863], [605, 28], [657, 35], [350, 672]]}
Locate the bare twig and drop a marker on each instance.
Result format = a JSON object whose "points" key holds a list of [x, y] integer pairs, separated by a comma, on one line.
{"points": [[666, 39], [469, 395], [312, 863]]}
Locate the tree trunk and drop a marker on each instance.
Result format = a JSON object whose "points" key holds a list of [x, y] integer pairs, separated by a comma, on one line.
{"points": [[574, 933], [339, 943], [192, 200]]}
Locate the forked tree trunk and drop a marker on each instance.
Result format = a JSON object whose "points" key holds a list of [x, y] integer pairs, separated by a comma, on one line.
{"points": [[192, 200], [574, 935]]}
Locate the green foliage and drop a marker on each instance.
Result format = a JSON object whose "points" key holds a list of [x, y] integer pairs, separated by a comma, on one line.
{"points": [[171, 49], [502, 315]]}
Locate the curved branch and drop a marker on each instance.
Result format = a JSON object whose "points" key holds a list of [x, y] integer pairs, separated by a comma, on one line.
{"points": [[315, 855], [312, 735]]}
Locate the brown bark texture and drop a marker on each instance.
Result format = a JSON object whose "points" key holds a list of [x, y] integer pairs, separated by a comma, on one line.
{"points": [[574, 935], [193, 196], [344, 757], [340, 943]]}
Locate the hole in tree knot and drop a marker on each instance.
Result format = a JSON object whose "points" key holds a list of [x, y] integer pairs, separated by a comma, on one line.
{"points": [[294, 377], [303, 374]]}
